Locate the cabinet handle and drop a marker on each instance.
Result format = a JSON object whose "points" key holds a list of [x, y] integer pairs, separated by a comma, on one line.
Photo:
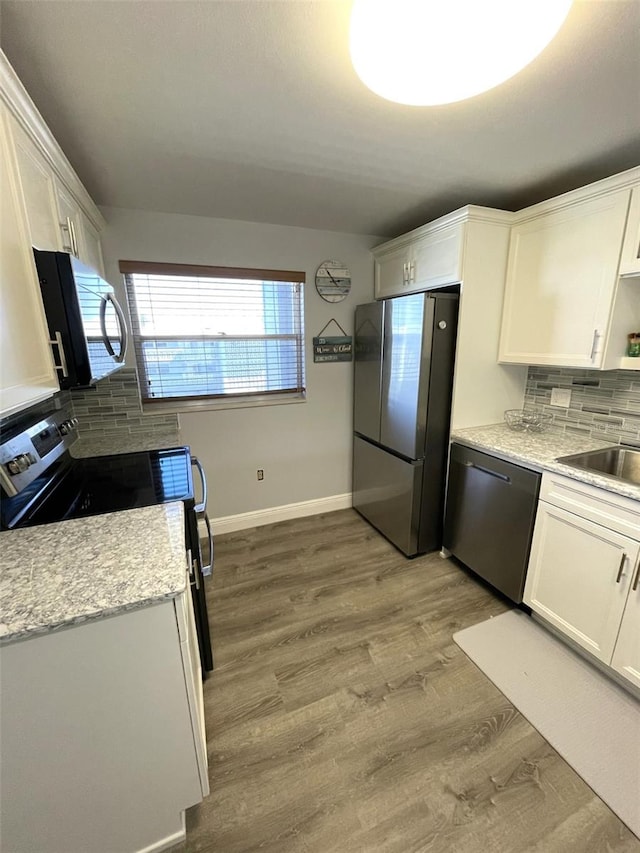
{"points": [[57, 342], [405, 273], [412, 272], [596, 335], [74, 239], [66, 226], [624, 557], [637, 578]]}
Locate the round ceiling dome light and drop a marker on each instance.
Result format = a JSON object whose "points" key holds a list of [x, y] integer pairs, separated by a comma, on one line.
{"points": [[429, 52]]}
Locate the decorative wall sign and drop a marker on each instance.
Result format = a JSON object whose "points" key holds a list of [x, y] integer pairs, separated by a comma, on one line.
{"points": [[336, 348], [333, 281]]}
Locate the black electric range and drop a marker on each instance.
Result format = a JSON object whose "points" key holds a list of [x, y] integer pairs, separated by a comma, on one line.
{"points": [[42, 483]]}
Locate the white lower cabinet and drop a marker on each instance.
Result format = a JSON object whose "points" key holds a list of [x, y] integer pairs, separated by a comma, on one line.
{"points": [[102, 733], [581, 572], [626, 657]]}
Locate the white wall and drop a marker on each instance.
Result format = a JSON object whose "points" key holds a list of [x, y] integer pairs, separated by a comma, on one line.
{"points": [[304, 448]]}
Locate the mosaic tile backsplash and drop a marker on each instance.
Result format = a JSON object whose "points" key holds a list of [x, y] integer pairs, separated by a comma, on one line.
{"points": [[113, 407], [603, 405]]}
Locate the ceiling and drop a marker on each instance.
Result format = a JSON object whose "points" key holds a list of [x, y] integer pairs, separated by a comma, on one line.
{"points": [[250, 109]]}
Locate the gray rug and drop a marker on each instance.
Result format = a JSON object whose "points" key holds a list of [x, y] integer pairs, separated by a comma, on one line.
{"points": [[588, 719]]}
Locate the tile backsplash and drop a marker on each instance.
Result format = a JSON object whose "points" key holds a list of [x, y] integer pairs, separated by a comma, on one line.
{"points": [[113, 407], [603, 405]]}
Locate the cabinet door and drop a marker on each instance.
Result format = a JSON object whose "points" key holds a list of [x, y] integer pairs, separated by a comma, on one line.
{"points": [[26, 366], [626, 655], [563, 267], [38, 191], [193, 679], [436, 260], [392, 273], [70, 221], [630, 261], [578, 578], [90, 248]]}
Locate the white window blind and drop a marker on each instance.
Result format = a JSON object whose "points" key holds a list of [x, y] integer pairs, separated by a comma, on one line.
{"points": [[215, 332]]}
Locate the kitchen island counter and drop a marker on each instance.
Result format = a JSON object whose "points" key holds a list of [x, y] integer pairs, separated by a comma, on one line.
{"points": [[56, 575], [539, 452]]}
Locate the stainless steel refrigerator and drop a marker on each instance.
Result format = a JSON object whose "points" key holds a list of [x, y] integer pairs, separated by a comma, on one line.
{"points": [[404, 351]]}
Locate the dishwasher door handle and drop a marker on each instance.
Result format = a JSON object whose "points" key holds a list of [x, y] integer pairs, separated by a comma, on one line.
{"points": [[488, 471]]}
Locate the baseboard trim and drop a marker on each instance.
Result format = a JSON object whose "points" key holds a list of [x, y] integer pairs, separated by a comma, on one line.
{"points": [[169, 840], [244, 520]]}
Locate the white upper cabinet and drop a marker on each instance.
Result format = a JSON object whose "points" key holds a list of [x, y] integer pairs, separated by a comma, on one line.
{"points": [[43, 205], [571, 297], [91, 247], [469, 248], [70, 220], [38, 190], [79, 237], [630, 261], [27, 374], [428, 257], [392, 272], [561, 279]]}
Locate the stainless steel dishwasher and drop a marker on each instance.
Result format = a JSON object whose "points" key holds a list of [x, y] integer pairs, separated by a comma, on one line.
{"points": [[490, 511]]}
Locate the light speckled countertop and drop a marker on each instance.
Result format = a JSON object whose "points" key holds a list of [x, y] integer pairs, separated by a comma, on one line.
{"points": [[123, 443], [539, 451], [61, 574]]}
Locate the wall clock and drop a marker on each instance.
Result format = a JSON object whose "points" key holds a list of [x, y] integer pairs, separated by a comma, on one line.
{"points": [[333, 281]]}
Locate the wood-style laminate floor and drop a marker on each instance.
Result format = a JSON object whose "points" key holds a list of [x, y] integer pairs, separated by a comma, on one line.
{"points": [[342, 718]]}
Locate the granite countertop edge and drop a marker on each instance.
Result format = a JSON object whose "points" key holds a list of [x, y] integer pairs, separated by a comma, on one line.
{"points": [[105, 613], [540, 451], [123, 442], [69, 573]]}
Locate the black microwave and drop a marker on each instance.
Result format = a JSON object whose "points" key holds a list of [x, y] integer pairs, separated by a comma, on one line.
{"points": [[87, 328]]}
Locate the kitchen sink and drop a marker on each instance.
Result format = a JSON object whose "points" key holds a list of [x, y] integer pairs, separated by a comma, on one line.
{"points": [[620, 462]]}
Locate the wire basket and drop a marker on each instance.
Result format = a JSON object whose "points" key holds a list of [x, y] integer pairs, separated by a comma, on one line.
{"points": [[522, 420]]}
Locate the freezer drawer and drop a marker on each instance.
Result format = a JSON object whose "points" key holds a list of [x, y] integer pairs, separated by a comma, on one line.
{"points": [[386, 491], [490, 511]]}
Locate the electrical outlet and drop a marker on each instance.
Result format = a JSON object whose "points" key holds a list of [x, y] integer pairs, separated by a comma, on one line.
{"points": [[561, 397], [260, 473]]}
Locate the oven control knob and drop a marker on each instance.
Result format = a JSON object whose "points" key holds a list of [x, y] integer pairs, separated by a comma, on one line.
{"points": [[68, 426], [20, 463]]}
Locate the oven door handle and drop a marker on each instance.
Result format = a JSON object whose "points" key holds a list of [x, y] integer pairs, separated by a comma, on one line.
{"points": [[207, 571], [201, 508]]}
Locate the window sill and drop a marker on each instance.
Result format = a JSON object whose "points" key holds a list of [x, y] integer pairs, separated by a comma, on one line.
{"points": [[175, 407]]}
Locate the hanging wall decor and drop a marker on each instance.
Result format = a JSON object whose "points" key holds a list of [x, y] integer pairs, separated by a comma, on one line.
{"points": [[332, 348]]}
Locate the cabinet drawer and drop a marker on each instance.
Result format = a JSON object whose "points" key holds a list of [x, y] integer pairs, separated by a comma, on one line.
{"points": [[612, 511]]}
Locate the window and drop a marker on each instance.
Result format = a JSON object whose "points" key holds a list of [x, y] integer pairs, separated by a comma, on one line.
{"points": [[211, 333]]}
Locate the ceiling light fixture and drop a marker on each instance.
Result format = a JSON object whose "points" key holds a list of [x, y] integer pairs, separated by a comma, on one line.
{"points": [[428, 52]]}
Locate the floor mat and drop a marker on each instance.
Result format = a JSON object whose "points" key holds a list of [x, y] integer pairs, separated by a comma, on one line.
{"points": [[588, 719]]}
